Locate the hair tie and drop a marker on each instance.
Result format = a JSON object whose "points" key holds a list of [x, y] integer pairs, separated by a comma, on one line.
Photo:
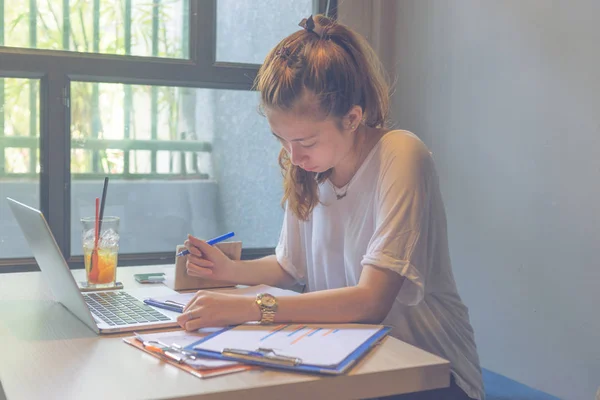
{"points": [[284, 53], [311, 26]]}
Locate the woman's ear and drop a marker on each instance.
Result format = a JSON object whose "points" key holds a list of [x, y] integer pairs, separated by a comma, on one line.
{"points": [[353, 118]]}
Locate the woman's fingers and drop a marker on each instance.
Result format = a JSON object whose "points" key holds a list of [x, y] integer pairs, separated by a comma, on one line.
{"points": [[199, 272], [194, 324], [184, 319], [202, 268], [192, 249], [191, 320], [202, 246], [195, 301], [187, 306], [201, 262]]}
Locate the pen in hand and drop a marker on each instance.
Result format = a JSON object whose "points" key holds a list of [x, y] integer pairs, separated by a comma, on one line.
{"points": [[210, 242]]}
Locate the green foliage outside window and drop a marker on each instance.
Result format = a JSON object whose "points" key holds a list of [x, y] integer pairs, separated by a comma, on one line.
{"points": [[156, 28]]}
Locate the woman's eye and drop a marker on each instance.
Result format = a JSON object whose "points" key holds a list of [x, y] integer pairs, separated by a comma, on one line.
{"points": [[308, 146]]}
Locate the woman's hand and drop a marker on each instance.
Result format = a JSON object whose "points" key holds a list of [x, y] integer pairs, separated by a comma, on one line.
{"points": [[212, 309], [208, 261]]}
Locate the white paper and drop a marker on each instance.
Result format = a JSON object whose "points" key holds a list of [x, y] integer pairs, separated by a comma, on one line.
{"points": [[184, 298], [180, 338], [315, 344]]}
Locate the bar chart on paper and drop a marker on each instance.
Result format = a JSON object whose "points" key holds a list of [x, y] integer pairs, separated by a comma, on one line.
{"points": [[322, 345]]}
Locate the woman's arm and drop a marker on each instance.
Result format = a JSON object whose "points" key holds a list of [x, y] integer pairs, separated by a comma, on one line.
{"points": [[264, 270], [368, 302]]}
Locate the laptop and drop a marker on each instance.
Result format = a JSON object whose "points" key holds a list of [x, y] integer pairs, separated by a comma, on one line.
{"points": [[103, 311]]}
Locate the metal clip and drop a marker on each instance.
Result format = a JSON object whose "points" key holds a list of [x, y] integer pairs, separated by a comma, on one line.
{"points": [[261, 354], [174, 352]]}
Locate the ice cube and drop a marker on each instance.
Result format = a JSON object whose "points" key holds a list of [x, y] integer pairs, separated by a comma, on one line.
{"points": [[109, 239]]}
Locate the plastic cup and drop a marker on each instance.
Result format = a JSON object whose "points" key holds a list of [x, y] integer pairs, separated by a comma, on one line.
{"points": [[100, 268]]}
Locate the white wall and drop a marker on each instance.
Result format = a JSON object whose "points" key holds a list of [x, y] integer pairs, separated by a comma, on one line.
{"points": [[507, 96]]}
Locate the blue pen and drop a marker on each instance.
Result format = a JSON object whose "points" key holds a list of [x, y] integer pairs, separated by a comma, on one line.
{"points": [[166, 306], [211, 242]]}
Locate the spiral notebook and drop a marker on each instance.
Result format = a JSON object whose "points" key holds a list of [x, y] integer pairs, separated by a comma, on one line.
{"points": [[331, 349]]}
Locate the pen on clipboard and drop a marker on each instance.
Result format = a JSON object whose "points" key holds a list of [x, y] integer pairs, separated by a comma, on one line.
{"points": [[211, 242], [165, 305]]}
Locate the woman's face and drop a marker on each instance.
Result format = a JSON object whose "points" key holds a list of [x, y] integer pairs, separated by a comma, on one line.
{"points": [[314, 145]]}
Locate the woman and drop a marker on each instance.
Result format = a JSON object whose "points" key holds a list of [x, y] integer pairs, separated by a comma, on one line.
{"points": [[364, 226]]}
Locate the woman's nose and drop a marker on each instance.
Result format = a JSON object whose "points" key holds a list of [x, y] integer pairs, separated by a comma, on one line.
{"points": [[296, 155]]}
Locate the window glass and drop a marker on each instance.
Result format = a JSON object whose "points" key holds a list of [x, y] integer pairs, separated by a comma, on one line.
{"points": [[247, 30], [179, 160], [134, 27], [19, 158]]}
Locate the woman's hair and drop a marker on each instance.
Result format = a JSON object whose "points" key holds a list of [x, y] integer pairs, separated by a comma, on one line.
{"points": [[328, 62]]}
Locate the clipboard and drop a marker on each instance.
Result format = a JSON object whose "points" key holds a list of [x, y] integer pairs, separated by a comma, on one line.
{"points": [[198, 373], [275, 358]]}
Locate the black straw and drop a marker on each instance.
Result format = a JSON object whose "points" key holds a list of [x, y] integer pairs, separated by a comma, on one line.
{"points": [[102, 204]]}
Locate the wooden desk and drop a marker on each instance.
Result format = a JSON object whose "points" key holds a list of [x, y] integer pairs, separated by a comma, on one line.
{"points": [[45, 352]]}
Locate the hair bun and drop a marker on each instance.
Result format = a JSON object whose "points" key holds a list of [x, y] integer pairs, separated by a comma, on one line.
{"points": [[311, 26]]}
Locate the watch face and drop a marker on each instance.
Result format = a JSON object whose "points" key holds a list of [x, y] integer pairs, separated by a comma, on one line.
{"points": [[268, 300]]}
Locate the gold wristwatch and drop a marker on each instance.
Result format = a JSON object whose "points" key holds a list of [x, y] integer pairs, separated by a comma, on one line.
{"points": [[268, 307]]}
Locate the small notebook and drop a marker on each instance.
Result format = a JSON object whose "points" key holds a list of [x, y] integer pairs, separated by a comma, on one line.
{"points": [[319, 348]]}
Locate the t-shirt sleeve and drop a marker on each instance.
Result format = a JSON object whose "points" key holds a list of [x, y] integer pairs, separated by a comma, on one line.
{"points": [[402, 209], [289, 251]]}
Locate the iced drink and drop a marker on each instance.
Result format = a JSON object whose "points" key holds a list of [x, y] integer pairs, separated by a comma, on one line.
{"points": [[101, 268]]}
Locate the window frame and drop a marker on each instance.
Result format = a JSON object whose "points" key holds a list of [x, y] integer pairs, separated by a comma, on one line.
{"points": [[55, 69]]}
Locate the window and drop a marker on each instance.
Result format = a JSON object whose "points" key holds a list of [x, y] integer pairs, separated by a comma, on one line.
{"points": [[179, 169], [155, 28], [247, 30], [154, 94], [19, 157]]}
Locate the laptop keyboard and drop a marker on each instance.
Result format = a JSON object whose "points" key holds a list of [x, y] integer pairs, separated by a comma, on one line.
{"points": [[121, 308]]}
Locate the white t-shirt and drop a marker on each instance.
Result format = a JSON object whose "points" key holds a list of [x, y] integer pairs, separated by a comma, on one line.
{"points": [[391, 217]]}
